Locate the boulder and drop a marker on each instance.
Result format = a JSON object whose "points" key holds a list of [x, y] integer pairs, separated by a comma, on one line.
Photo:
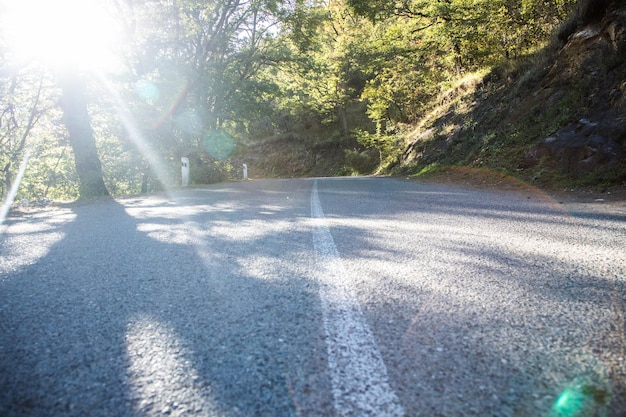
{"points": [[582, 147]]}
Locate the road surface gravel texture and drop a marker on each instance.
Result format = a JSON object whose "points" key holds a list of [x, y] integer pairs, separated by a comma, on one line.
{"points": [[315, 297]]}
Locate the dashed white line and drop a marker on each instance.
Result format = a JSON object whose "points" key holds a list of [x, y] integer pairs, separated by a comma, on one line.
{"points": [[360, 384]]}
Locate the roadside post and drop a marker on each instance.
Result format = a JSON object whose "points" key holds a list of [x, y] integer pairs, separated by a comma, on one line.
{"points": [[245, 171], [184, 162]]}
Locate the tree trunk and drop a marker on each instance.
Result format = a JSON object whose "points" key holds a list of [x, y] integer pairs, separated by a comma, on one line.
{"points": [[7, 178], [78, 124], [343, 117]]}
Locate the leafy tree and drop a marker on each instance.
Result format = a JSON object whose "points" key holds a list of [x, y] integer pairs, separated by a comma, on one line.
{"points": [[202, 60], [58, 61], [426, 44], [325, 74], [202, 77], [26, 101]]}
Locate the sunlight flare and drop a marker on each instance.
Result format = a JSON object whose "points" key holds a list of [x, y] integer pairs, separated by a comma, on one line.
{"points": [[63, 34], [6, 206]]}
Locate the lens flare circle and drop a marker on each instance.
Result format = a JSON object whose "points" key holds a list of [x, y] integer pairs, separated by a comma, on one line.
{"points": [[219, 144], [569, 403], [148, 91]]}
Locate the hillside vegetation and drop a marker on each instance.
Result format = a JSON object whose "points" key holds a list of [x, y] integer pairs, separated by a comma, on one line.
{"points": [[554, 117], [529, 88]]}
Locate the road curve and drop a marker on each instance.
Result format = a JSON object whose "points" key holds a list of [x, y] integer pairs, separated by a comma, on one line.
{"points": [[315, 297]]}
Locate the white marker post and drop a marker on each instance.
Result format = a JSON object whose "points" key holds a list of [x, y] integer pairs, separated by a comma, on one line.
{"points": [[184, 162], [245, 171]]}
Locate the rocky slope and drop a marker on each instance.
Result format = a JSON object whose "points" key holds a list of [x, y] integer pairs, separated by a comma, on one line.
{"points": [[559, 116], [556, 119], [592, 57]]}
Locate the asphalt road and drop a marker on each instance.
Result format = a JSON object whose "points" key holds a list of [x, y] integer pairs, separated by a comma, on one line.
{"points": [[345, 296]]}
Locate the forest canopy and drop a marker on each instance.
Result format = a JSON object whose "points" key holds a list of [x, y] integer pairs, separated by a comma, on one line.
{"points": [[101, 98]]}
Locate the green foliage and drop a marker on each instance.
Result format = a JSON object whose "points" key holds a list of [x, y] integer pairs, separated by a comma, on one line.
{"points": [[387, 145], [209, 171], [361, 163], [424, 45], [309, 70], [29, 131]]}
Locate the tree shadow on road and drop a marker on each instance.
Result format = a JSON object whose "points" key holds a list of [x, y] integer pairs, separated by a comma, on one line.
{"points": [[201, 303], [162, 312], [495, 301]]}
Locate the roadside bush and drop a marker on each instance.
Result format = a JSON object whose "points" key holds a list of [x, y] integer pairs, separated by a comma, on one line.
{"points": [[362, 162]]}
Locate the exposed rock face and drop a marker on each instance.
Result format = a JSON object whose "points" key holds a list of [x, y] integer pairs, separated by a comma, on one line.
{"points": [[583, 147], [593, 56], [414, 149]]}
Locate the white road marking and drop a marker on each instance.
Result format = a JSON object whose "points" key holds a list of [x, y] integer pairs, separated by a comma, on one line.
{"points": [[360, 384]]}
